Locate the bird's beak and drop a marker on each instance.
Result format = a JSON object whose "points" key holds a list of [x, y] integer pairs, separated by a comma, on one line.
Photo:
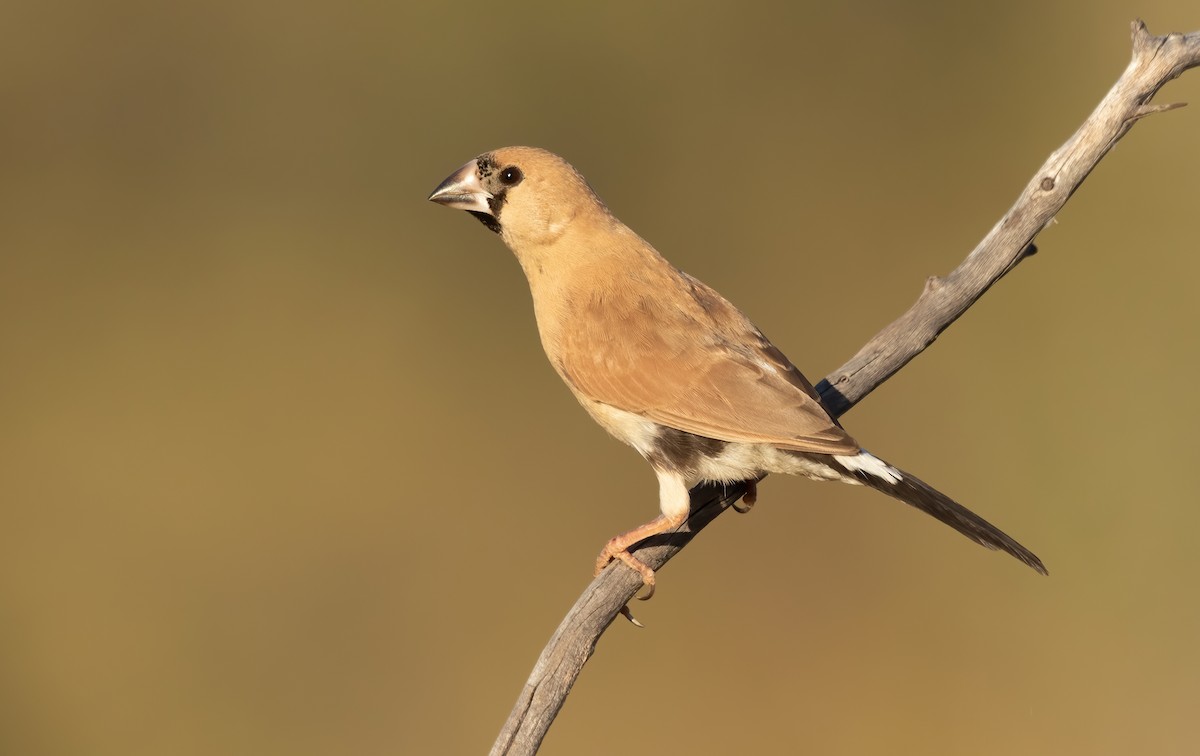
{"points": [[463, 190]]}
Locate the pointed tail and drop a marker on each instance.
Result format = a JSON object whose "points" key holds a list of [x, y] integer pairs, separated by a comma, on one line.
{"points": [[873, 472]]}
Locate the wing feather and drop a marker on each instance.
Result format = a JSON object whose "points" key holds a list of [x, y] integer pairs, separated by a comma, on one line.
{"points": [[702, 368]]}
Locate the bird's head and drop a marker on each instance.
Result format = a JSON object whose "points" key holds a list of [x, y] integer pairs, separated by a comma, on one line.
{"points": [[527, 195]]}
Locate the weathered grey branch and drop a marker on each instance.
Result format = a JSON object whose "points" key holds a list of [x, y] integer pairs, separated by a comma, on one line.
{"points": [[1156, 60]]}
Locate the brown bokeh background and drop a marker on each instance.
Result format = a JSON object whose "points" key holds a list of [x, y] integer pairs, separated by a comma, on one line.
{"points": [[283, 470]]}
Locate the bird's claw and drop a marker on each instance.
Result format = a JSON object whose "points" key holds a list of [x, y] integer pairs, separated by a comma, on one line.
{"points": [[748, 499], [629, 616], [649, 590]]}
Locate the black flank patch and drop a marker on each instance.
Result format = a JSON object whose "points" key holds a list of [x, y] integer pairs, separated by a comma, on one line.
{"points": [[679, 450]]}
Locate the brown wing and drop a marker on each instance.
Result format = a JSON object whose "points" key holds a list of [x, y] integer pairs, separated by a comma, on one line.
{"points": [[701, 368]]}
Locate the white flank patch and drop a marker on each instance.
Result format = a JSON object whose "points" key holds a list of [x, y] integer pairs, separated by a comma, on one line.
{"points": [[626, 427], [870, 464]]}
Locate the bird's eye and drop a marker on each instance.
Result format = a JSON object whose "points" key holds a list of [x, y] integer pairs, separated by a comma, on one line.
{"points": [[511, 176]]}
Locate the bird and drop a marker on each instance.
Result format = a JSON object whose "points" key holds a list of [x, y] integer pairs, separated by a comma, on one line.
{"points": [[663, 362]]}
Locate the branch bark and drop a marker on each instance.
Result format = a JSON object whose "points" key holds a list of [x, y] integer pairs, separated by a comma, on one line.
{"points": [[1156, 60]]}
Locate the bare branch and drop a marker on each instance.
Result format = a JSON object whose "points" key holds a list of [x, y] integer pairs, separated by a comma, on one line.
{"points": [[1156, 60]]}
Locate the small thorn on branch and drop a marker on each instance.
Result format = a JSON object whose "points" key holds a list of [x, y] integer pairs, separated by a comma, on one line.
{"points": [[1149, 109]]}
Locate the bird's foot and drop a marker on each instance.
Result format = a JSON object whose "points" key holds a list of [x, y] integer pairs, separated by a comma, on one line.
{"points": [[615, 549], [748, 499], [618, 547]]}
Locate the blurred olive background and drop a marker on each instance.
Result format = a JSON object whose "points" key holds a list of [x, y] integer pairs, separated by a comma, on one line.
{"points": [[283, 469]]}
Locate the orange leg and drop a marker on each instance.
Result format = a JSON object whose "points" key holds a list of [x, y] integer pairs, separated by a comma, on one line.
{"points": [[618, 548]]}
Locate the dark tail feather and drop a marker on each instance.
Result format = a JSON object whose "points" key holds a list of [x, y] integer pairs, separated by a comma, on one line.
{"points": [[929, 500]]}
